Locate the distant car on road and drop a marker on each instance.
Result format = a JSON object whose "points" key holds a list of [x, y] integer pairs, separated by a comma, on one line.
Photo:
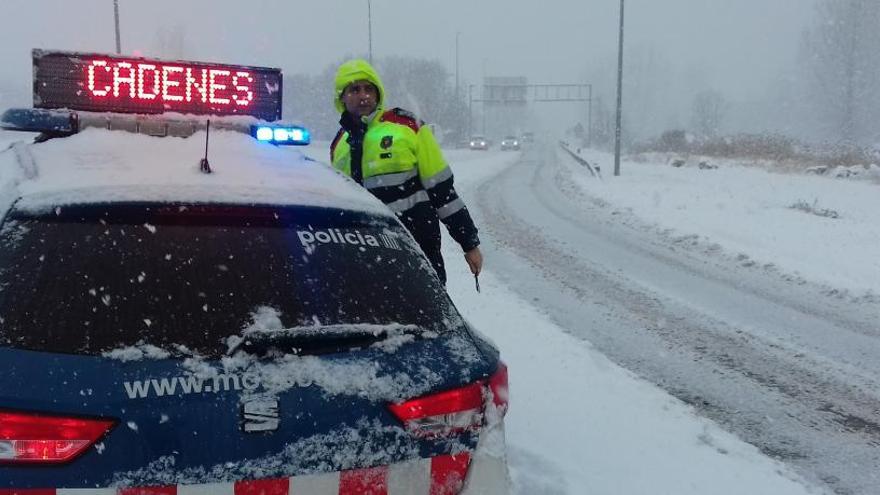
{"points": [[528, 137], [478, 143], [510, 143]]}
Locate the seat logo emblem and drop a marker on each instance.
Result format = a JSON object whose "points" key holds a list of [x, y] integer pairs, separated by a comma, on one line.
{"points": [[260, 414]]}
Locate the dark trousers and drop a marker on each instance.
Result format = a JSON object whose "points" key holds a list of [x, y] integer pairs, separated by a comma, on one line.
{"points": [[425, 229], [436, 260]]}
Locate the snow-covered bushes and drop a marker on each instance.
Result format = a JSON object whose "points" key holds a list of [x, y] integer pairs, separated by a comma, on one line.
{"points": [[814, 209]]}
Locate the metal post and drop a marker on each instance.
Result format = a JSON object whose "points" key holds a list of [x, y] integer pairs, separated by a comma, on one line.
{"points": [[116, 17], [370, 29], [470, 111], [483, 106], [457, 88], [617, 130], [483, 100], [457, 34], [590, 118]]}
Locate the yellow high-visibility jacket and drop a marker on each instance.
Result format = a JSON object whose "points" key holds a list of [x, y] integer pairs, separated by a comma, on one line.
{"points": [[395, 156]]}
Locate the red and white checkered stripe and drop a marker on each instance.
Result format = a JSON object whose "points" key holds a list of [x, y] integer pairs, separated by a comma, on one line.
{"points": [[441, 475]]}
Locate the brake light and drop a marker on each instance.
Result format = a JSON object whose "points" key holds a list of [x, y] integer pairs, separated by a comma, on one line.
{"points": [[453, 411], [499, 389], [31, 438]]}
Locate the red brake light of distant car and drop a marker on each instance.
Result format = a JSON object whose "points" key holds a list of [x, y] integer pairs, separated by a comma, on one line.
{"points": [[453, 411], [30, 438]]}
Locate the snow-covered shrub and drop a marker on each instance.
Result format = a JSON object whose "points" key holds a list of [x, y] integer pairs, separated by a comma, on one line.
{"points": [[814, 209]]}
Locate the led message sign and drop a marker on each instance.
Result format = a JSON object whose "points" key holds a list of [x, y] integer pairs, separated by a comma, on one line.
{"points": [[110, 83]]}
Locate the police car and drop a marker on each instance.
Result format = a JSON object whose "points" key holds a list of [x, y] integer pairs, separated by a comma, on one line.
{"points": [[186, 306]]}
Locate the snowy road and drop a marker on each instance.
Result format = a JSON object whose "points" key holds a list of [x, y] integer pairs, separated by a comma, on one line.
{"points": [[773, 359]]}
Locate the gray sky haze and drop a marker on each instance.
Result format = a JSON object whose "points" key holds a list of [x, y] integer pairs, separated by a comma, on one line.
{"points": [[740, 48]]}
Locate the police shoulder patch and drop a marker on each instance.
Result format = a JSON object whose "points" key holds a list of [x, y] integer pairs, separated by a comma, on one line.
{"points": [[404, 113], [402, 117]]}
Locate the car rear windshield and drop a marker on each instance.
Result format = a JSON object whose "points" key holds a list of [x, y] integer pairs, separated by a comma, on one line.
{"points": [[90, 279]]}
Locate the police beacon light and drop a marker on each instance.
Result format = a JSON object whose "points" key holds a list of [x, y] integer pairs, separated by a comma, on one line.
{"points": [[86, 82]]}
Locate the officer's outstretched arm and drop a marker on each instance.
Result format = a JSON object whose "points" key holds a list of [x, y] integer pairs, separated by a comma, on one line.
{"points": [[437, 179]]}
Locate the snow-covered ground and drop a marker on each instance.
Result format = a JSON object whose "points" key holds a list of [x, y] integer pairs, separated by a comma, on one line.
{"points": [[821, 229], [9, 137]]}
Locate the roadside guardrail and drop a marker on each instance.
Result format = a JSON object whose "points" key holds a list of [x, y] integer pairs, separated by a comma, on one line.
{"points": [[594, 170]]}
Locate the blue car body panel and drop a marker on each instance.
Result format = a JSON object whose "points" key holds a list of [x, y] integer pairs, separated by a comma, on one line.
{"points": [[194, 436]]}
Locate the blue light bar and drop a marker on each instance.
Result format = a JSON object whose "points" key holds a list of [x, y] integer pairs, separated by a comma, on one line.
{"points": [[264, 134], [300, 135], [281, 134], [58, 122]]}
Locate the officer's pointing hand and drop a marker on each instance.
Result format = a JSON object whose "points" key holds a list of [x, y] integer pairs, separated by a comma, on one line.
{"points": [[474, 260]]}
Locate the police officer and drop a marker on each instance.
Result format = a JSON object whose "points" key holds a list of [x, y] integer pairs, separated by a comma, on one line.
{"points": [[394, 156]]}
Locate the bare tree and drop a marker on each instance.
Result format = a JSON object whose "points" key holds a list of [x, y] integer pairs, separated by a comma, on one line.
{"points": [[603, 125], [308, 100], [708, 112], [171, 43], [840, 55], [426, 88]]}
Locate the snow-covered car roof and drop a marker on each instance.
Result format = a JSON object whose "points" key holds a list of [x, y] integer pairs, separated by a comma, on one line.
{"points": [[98, 165]]}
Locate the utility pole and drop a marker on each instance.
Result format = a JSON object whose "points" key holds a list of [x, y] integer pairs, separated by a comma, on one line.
{"points": [[116, 17], [483, 100], [370, 29], [470, 111], [590, 118], [458, 90], [457, 34], [617, 129]]}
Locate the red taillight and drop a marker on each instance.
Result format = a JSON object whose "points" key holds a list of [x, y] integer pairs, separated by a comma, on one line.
{"points": [[42, 439], [453, 411], [498, 387], [441, 414]]}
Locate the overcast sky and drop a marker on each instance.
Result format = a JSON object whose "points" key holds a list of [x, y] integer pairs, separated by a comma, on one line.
{"points": [[739, 47]]}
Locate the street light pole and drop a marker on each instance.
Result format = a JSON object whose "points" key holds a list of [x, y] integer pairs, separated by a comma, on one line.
{"points": [[457, 34], [617, 130], [370, 29], [470, 111], [590, 118], [458, 90], [483, 100], [116, 18]]}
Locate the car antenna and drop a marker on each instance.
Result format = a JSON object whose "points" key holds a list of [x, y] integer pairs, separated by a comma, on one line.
{"points": [[204, 166]]}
